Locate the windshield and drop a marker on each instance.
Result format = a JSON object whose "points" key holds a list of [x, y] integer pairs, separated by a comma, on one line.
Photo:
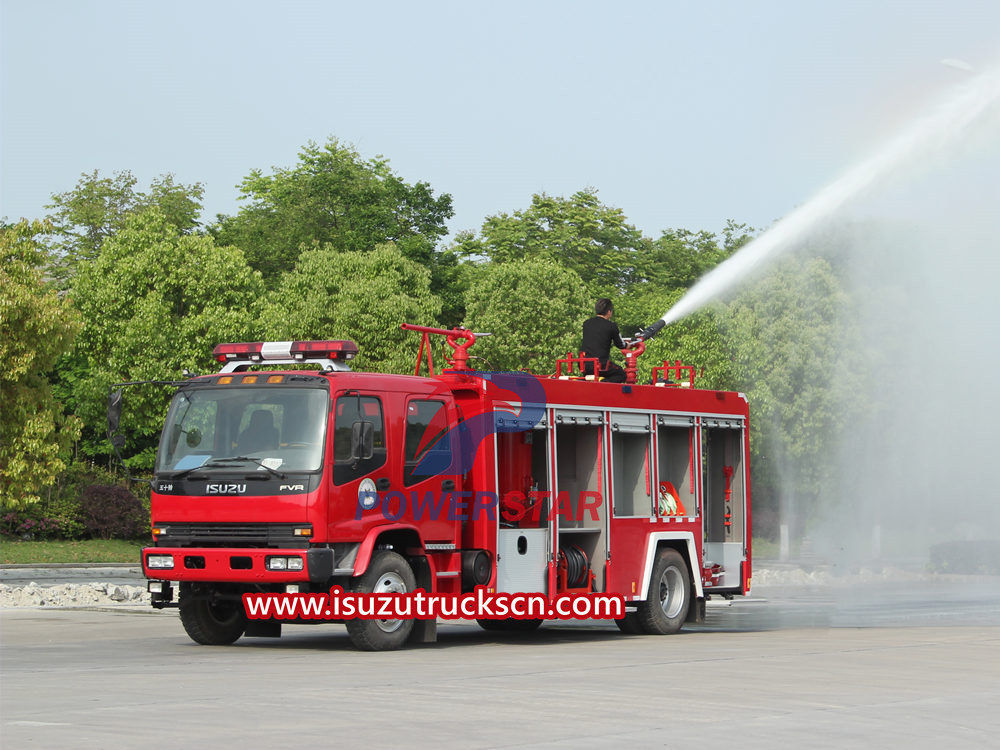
{"points": [[276, 428]]}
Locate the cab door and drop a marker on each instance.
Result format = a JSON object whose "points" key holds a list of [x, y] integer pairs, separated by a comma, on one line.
{"points": [[429, 478], [361, 468]]}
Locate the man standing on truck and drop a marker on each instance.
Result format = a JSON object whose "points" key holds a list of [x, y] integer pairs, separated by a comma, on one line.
{"points": [[599, 333]]}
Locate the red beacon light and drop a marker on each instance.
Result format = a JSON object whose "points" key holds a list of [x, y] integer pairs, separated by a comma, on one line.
{"points": [[328, 353], [230, 352], [324, 349]]}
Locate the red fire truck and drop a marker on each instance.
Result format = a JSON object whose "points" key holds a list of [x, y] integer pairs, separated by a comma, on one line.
{"points": [[296, 480]]}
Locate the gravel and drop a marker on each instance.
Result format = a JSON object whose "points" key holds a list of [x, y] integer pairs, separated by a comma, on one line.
{"points": [[72, 595]]}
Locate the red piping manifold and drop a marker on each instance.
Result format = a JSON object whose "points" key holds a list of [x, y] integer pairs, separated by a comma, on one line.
{"points": [[460, 357]]}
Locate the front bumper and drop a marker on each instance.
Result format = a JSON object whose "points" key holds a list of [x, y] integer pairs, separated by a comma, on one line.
{"points": [[238, 565]]}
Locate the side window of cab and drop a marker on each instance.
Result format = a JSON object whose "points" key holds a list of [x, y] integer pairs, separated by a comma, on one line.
{"points": [[426, 424], [358, 437]]}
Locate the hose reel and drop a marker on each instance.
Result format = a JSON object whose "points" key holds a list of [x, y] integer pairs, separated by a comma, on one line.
{"points": [[574, 568]]}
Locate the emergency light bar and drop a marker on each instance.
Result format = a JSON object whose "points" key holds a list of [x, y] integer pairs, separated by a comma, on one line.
{"points": [[263, 351]]}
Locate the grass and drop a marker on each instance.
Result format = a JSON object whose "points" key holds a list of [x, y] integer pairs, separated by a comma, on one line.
{"points": [[85, 551], [765, 549]]}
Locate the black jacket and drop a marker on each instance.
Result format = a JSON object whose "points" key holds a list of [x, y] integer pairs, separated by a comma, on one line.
{"points": [[598, 336]]}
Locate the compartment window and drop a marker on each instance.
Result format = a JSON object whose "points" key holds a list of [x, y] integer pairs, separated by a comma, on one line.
{"points": [[631, 478]]}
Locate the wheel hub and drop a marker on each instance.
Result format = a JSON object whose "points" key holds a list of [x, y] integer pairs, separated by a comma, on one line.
{"points": [[389, 583]]}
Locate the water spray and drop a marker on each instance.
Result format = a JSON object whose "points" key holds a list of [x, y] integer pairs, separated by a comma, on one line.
{"points": [[936, 129]]}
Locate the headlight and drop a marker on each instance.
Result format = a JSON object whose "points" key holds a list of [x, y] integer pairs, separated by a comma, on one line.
{"points": [[160, 562], [285, 563]]}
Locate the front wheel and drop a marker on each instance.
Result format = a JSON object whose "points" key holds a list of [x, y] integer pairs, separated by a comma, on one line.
{"points": [[669, 596], [388, 573], [211, 623]]}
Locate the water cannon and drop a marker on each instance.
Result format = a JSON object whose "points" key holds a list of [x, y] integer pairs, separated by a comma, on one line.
{"points": [[647, 333]]}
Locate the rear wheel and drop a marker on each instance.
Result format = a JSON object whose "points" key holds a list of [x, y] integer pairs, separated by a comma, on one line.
{"points": [[388, 573], [669, 596], [630, 624], [211, 623]]}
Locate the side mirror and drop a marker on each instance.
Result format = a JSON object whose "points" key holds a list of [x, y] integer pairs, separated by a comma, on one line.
{"points": [[362, 440], [114, 410]]}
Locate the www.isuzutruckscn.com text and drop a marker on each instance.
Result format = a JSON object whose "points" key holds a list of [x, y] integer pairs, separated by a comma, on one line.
{"points": [[478, 605]]}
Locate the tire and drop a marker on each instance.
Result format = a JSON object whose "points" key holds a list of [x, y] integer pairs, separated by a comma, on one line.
{"points": [[630, 624], [211, 623], [510, 625], [669, 596], [388, 573]]}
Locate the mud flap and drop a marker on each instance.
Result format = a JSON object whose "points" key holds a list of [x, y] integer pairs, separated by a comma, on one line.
{"points": [[424, 631], [696, 612]]}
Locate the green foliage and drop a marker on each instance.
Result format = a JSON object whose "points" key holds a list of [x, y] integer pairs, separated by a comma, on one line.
{"points": [[98, 207], [579, 233], [450, 279], [56, 516], [680, 257], [60, 513], [36, 327], [335, 198], [534, 309], [62, 501], [363, 297], [154, 302], [111, 511], [28, 523], [981, 557], [784, 338]]}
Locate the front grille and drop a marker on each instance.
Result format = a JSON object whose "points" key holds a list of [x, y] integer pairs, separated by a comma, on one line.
{"points": [[230, 535]]}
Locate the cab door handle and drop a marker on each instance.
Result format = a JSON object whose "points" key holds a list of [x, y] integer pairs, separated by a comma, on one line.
{"points": [[382, 484], [448, 485]]}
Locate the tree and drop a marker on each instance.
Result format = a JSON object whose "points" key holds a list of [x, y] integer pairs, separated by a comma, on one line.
{"points": [[680, 257], [363, 297], [534, 310], [784, 335], [36, 327], [154, 302], [98, 207], [579, 233], [335, 198]]}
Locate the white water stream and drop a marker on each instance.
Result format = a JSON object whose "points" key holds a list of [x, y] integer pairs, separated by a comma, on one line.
{"points": [[915, 230], [943, 125]]}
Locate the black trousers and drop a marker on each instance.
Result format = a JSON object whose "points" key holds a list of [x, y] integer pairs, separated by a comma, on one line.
{"points": [[610, 372]]}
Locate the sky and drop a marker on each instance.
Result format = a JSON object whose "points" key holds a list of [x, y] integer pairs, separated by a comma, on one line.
{"points": [[682, 114]]}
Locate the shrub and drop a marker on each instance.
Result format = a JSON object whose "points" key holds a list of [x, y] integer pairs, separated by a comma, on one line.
{"points": [[980, 557], [28, 523], [111, 511], [64, 510]]}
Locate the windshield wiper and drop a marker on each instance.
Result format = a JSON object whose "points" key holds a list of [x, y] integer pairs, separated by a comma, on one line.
{"points": [[223, 461]]}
